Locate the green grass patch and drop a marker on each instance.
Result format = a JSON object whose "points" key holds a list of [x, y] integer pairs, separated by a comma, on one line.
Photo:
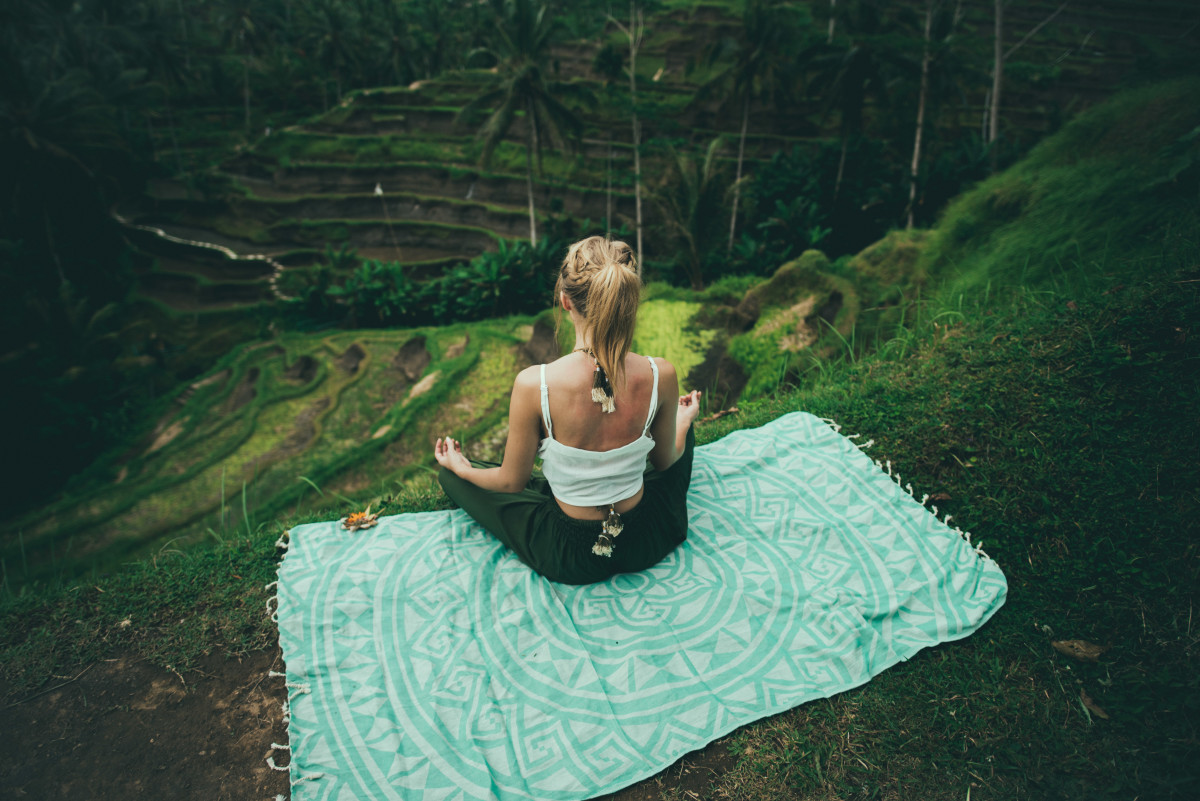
{"points": [[1064, 439], [1092, 203], [665, 329], [805, 317]]}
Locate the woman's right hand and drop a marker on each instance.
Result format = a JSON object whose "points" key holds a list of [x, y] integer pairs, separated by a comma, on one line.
{"points": [[449, 455], [689, 409]]}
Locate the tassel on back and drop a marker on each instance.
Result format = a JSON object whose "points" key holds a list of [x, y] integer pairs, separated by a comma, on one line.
{"points": [[602, 392]]}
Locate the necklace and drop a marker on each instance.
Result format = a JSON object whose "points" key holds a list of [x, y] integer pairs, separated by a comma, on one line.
{"points": [[602, 391]]}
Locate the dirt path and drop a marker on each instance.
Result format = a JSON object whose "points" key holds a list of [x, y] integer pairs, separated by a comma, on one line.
{"points": [[125, 729]]}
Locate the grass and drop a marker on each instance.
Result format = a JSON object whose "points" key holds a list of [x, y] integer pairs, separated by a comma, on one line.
{"points": [[175, 491], [789, 329], [1040, 382], [1082, 191], [666, 329], [1063, 438]]}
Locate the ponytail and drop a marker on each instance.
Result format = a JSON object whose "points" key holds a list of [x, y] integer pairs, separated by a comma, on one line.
{"points": [[600, 277], [611, 317]]}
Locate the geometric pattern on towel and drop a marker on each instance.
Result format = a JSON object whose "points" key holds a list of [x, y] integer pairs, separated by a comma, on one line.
{"points": [[425, 661]]}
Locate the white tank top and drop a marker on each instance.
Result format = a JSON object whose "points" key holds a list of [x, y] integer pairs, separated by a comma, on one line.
{"points": [[595, 478]]}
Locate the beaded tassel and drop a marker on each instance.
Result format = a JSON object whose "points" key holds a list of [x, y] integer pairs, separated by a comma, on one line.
{"points": [[602, 392], [609, 529]]}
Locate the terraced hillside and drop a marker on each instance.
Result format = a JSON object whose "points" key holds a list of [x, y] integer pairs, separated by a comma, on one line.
{"points": [[393, 174], [291, 419], [305, 418]]}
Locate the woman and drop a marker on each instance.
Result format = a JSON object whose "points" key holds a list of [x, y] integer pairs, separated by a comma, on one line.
{"points": [[593, 416]]}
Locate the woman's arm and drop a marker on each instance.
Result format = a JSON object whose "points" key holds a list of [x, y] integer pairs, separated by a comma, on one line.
{"points": [[524, 433], [672, 421]]}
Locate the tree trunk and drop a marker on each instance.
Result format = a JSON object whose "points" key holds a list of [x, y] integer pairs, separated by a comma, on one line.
{"points": [[737, 185], [983, 123], [1002, 56], [150, 133], [174, 139], [62, 279], [837, 184], [246, 87], [916, 159], [997, 83], [608, 203], [635, 37], [187, 50], [531, 148], [832, 20]]}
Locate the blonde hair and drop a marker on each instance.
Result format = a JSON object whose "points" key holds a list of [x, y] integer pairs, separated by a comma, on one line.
{"points": [[600, 278]]}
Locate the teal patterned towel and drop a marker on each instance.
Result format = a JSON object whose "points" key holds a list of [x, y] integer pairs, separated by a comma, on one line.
{"points": [[425, 661]]}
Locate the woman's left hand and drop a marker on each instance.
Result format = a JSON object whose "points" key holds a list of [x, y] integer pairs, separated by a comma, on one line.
{"points": [[449, 455], [689, 409]]}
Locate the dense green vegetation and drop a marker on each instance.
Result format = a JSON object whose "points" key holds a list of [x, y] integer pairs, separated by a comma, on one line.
{"points": [[318, 300], [1047, 401], [139, 106], [1061, 435]]}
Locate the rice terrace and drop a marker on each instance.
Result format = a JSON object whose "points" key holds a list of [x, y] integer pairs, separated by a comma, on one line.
{"points": [[932, 265]]}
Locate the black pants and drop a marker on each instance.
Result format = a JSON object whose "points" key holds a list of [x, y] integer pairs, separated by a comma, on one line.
{"points": [[534, 526]]}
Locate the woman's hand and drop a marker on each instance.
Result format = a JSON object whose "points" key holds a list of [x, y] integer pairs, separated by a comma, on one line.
{"points": [[449, 455], [689, 409]]}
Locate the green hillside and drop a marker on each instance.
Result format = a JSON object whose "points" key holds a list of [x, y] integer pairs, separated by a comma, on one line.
{"points": [[300, 419], [1029, 364]]}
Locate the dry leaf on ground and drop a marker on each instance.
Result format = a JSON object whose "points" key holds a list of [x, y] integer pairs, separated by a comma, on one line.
{"points": [[1082, 650], [1092, 706]]}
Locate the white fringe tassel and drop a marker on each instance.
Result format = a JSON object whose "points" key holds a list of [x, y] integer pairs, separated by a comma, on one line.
{"points": [[285, 768], [886, 467]]}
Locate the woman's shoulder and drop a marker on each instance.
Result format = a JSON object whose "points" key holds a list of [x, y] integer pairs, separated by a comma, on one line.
{"points": [[529, 377], [666, 370]]}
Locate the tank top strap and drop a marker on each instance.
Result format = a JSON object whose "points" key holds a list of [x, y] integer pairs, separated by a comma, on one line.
{"points": [[653, 397], [546, 405]]}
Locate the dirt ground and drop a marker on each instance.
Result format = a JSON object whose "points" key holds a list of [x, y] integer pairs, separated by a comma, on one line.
{"points": [[124, 729]]}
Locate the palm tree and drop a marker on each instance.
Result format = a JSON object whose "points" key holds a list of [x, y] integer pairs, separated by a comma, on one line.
{"points": [[242, 33], [520, 43], [938, 71], [999, 58], [690, 200], [62, 145], [331, 28], [759, 68], [635, 32], [855, 72], [397, 43], [609, 64]]}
